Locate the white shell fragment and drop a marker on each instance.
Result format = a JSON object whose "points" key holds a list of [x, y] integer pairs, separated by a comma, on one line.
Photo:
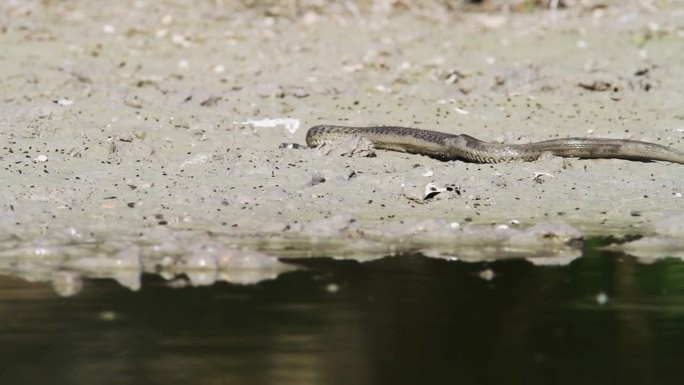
{"points": [[65, 102], [431, 190], [539, 175], [289, 124]]}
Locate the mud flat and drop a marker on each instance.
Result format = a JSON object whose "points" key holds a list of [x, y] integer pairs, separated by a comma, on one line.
{"points": [[149, 126]]}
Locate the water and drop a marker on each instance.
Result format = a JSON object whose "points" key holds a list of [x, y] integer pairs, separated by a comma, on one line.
{"points": [[605, 318]]}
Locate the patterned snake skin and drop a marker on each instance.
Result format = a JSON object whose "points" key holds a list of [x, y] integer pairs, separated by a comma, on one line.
{"points": [[464, 147]]}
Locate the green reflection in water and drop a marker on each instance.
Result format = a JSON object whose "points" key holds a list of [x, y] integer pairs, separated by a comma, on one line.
{"points": [[605, 318]]}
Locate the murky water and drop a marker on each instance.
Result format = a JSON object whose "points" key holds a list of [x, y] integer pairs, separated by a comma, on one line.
{"points": [[605, 318]]}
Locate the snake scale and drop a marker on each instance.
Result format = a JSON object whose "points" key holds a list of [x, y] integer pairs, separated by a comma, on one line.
{"points": [[463, 147]]}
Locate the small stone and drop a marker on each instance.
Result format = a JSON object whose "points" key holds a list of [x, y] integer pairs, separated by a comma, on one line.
{"points": [[601, 298], [107, 315], [487, 274], [332, 288]]}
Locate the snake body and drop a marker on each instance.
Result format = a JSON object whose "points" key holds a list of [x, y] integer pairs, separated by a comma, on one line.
{"points": [[445, 146]]}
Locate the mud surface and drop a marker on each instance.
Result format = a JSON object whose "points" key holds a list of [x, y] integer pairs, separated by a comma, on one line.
{"points": [[157, 127]]}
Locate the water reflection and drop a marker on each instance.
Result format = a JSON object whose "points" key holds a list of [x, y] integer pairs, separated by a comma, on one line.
{"points": [[197, 264], [604, 318]]}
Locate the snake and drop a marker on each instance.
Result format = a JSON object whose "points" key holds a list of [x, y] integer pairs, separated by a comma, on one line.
{"points": [[444, 146]]}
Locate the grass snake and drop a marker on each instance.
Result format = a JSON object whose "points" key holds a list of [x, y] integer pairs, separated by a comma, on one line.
{"points": [[445, 146]]}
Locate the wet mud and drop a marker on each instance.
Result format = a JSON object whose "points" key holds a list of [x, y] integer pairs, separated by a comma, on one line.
{"points": [[146, 127]]}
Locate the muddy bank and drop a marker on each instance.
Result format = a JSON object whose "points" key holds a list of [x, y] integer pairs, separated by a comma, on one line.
{"points": [[122, 124]]}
